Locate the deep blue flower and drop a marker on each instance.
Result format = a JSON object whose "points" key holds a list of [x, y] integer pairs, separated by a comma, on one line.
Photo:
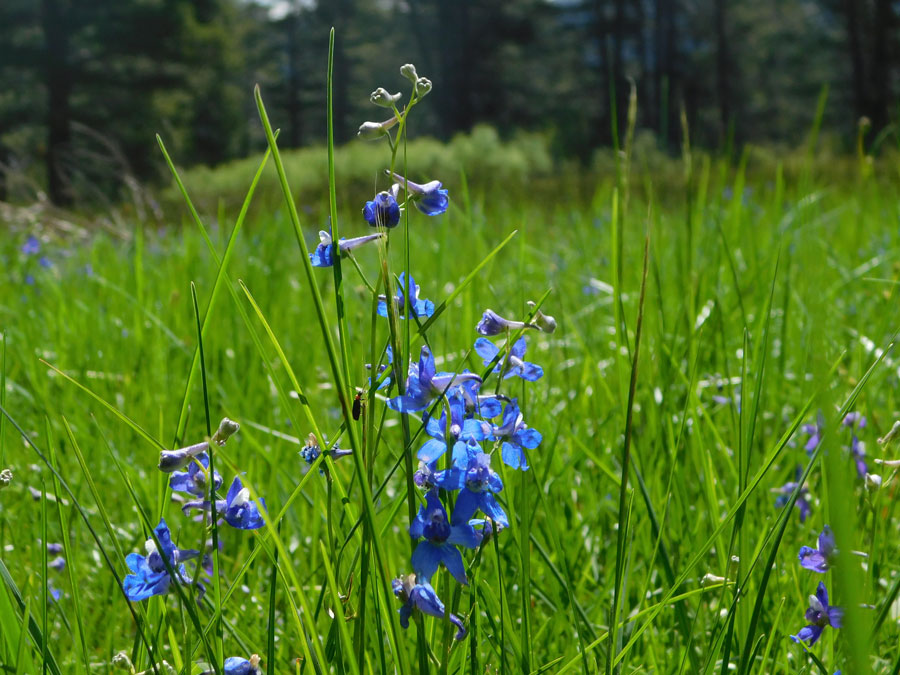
{"points": [[311, 451], [44, 261], [383, 211], [819, 615], [462, 431], [819, 559], [421, 596], [31, 246], [421, 308], [55, 593], [785, 492], [194, 480], [149, 575], [493, 324], [235, 665], [323, 256], [515, 365], [441, 538], [487, 407], [423, 384], [237, 508], [427, 476], [54, 548], [430, 198], [516, 437], [477, 484]]}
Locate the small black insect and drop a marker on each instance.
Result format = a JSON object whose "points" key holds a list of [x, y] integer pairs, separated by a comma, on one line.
{"points": [[357, 405]]}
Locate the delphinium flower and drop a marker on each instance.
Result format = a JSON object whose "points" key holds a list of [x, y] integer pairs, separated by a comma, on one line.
{"points": [[311, 451], [32, 246], [323, 256], [194, 481], [58, 564], [54, 548], [421, 308], [421, 596], [237, 508], [149, 574], [383, 210], [172, 460], [785, 492], [516, 437], [512, 364], [477, 485], [370, 131], [430, 198], [461, 431], [423, 384], [819, 615], [493, 324], [440, 540], [819, 559], [235, 665], [858, 452], [486, 406], [815, 433]]}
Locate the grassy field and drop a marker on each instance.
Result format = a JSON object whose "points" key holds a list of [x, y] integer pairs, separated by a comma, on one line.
{"points": [[769, 301]]}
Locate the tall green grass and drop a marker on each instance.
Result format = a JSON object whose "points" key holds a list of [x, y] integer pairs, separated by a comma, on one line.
{"points": [[771, 285]]}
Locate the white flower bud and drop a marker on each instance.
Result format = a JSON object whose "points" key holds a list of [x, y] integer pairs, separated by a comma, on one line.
{"points": [[369, 131], [873, 481], [423, 86], [543, 321], [6, 477], [383, 98], [227, 428], [891, 435], [409, 72], [121, 661], [710, 579]]}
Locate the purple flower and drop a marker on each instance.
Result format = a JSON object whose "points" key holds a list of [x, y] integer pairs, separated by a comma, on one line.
{"points": [[858, 451], [429, 197], [819, 615], [31, 246], [815, 433], [235, 665], [149, 574], [171, 460], [421, 597], [194, 480], [44, 261], [516, 437], [58, 564], [785, 492], [237, 508], [484, 406], [441, 538], [854, 419], [420, 307], [819, 559], [383, 211], [323, 256], [477, 483], [493, 324], [423, 384], [514, 363]]}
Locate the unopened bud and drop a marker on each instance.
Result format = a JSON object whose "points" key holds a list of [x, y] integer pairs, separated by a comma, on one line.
{"points": [[709, 579], [369, 131], [891, 435], [6, 477], [121, 661], [227, 428], [383, 98], [423, 86], [873, 481], [409, 72], [543, 321]]}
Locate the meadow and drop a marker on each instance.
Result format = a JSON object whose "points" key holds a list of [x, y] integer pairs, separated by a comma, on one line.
{"points": [[712, 315]]}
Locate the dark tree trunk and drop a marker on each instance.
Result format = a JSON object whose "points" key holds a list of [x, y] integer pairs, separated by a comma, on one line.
{"points": [[56, 40], [722, 70], [880, 84], [856, 57], [295, 124]]}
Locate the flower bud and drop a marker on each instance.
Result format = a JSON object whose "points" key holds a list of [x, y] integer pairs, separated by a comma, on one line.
{"points": [[227, 428], [543, 321], [709, 579], [369, 131], [409, 72], [6, 477], [121, 661], [381, 97], [891, 435], [423, 87]]}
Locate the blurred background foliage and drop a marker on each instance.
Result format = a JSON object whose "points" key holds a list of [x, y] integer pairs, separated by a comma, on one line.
{"points": [[85, 84]]}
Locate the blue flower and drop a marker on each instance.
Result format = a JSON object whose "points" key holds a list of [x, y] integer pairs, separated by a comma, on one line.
{"points": [[441, 538], [462, 431], [237, 508], [819, 615], [429, 198], [45, 262], [323, 256], [31, 246], [493, 324], [194, 480], [171, 460], [515, 365], [854, 419], [819, 559], [420, 307], [235, 665], [516, 437], [815, 433], [858, 451], [58, 564], [149, 575], [421, 597], [478, 483], [383, 211], [487, 407], [785, 491], [423, 384], [311, 451]]}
